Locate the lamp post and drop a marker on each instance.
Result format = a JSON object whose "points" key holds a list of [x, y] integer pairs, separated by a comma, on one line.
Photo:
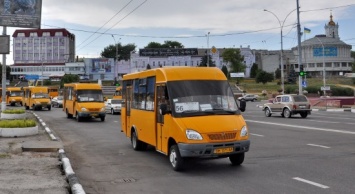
{"points": [[208, 49], [42, 73], [116, 58], [324, 92], [281, 52]]}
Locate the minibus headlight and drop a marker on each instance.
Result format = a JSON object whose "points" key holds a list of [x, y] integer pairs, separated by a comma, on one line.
{"points": [[244, 131], [102, 109], [193, 135], [37, 102], [84, 109]]}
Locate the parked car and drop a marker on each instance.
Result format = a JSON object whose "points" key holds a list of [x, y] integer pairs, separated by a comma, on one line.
{"points": [[57, 101], [249, 97], [113, 106], [288, 105]]}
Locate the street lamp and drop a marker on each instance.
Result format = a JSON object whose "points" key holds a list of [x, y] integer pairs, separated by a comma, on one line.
{"points": [[324, 93], [208, 48], [116, 58], [281, 52]]}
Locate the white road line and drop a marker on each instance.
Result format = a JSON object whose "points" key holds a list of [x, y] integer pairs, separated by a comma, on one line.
{"points": [[310, 182], [344, 118], [315, 145], [115, 121], [256, 135], [321, 121], [304, 127]]}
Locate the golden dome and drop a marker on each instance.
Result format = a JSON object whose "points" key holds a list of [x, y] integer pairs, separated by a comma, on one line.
{"points": [[331, 22]]}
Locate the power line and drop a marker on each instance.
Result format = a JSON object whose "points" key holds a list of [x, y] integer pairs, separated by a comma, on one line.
{"points": [[115, 23], [105, 23], [328, 8]]}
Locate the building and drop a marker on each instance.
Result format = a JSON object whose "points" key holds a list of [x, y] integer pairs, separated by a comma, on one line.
{"points": [[42, 51], [325, 49]]}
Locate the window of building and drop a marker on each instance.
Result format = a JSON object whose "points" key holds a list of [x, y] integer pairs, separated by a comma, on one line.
{"points": [[343, 64], [336, 64], [328, 64], [319, 64], [59, 34]]}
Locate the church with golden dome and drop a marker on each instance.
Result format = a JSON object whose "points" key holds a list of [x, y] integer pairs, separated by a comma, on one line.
{"points": [[325, 52]]}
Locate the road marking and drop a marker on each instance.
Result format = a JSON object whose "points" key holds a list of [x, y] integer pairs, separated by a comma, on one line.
{"points": [[256, 135], [329, 122], [115, 121], [315, 145], [304, 127], [344, 118], [310, 182]]}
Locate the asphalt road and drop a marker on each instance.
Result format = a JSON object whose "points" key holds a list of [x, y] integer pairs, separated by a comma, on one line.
{"points": [[295, 155]]}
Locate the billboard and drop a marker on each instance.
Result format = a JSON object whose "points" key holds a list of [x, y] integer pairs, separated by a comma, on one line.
{"points": [[21, 13], [328, 52], [101, 66], [151, 52]]}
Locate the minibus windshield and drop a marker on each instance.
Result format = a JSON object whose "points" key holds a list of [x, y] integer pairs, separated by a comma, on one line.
{"points": [[90, 96], [201, 97], [40, 95], [16, 93]]}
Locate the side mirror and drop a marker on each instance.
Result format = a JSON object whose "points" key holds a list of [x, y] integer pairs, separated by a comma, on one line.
{"points": [[163, 109], [242, 105]]}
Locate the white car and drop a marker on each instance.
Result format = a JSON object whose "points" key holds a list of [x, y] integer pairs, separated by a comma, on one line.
{"points": [[113, 106], [249, 97]]}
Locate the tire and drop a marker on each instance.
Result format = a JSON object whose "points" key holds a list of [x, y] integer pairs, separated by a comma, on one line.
{"points": [[237, 159], [253, 100], [175, 159], [267, 112], [102, 119], [112, 112], [287, 113], [136, 143], [27, 107], [49, 108], [78, 118], [69, 115], [304, 114]]}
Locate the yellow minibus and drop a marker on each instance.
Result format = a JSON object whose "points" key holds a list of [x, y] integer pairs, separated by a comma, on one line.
{"points": [[118, 93], [36, 97], [83, 100], [14, 95], [53, 91], [184, 112]]}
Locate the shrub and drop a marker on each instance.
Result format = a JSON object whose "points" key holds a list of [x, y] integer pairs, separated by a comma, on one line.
{"points": [[22, 123], [13, 111], [338, 91], [291, 89], [313, 89]]}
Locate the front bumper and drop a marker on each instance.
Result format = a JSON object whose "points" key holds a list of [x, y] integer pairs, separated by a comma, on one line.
{"points": [[43, 105], [92, 114], [207, 150]]}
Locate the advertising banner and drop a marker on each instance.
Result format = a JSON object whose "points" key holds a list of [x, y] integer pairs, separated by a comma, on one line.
{"points": [[151, 52], [101, 66], [328, 52], [21, 13]]}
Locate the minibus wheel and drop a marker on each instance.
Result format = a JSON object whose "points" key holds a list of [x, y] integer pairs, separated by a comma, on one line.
{"points": [[176, 161], [136, 143], [237, 159], [102, 119], [78, 118]]}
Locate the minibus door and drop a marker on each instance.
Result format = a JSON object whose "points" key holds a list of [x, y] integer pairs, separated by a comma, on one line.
{"points": [[161, 133], [128, 101]]}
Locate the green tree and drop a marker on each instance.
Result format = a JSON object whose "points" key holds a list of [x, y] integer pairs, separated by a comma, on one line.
{"points": [[254, 70], [153, 45], [124, 51], [225, 71], [292, 76], [278, 73], [264, 77], [148, 66], [69, 78], [8, 70], [204, 61], [235, 59], [47, 82]]}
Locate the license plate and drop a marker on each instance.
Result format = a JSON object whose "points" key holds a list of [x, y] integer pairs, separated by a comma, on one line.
{"points": [[94, 115], [223, 150], [302, 106]]}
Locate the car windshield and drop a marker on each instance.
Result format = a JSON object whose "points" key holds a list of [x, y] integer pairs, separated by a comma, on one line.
{"points": [[60, 98], [195, 98], [300, 98], [116, 101], [90, 96], [16, 93], [40, 95]]}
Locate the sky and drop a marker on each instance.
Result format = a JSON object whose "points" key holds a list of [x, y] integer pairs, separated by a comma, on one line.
{"points": [[194, 23]]}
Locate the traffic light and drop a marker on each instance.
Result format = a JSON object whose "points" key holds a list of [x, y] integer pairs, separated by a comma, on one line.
{"points": [[302, 72]]}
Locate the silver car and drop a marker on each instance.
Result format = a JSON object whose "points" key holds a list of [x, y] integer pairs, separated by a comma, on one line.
{"points": [[249, 97], [57, 101], [113, 106]]}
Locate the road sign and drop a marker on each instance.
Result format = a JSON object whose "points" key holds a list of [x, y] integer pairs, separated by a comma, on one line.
{"points": [[349, 75], [325, 88], [240, 74], [304, 83]]}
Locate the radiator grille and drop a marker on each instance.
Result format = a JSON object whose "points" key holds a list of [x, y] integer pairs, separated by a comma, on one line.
{"points": [[222, 136], [94, 109]]}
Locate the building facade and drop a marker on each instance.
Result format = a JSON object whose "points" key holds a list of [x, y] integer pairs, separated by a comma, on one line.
{"points": [[326, 53]]}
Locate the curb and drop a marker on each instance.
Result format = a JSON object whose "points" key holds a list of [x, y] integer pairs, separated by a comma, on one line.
{"points": [[73, 181]]}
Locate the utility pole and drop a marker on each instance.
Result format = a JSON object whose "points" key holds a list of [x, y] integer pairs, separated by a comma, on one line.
{"points": [[299, 48], [208, 49]]}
